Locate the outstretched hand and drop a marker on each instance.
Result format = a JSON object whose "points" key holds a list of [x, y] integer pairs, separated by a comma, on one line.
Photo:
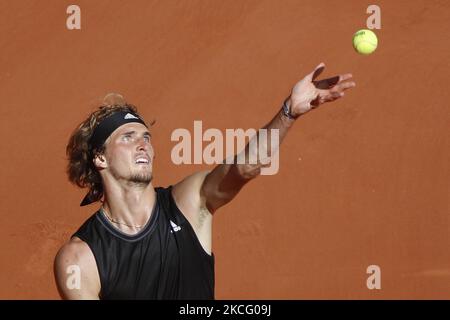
{"points": [[310, 93]]}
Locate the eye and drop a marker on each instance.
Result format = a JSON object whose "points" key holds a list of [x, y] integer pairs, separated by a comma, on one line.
{"points": [[126, 137], [147, 138]]}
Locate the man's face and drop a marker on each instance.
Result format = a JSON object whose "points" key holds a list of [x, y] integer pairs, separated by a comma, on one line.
{"points": [[129, 154]]}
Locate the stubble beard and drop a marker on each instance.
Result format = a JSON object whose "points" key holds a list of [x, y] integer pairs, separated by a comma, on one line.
{"points": [[136, 178], [143, 178]]}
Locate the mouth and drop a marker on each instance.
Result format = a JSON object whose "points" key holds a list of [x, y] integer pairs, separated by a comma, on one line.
{"points": [[142, 160]]}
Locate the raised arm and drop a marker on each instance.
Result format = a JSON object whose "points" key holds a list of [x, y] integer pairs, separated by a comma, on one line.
{"points": [[223, 183]]}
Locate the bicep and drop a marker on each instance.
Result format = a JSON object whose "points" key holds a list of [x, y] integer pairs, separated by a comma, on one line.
{"points": [[221, 185], [208, 190], [76, 273]]}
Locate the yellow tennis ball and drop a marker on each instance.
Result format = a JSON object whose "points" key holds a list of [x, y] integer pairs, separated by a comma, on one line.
{"points": [[365, 41]]}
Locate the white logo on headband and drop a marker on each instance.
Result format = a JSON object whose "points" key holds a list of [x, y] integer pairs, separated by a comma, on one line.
{"points": [[130, 116]]}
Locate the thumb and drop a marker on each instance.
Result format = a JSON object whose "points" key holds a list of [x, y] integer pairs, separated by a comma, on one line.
{"points": [[317, 71]]}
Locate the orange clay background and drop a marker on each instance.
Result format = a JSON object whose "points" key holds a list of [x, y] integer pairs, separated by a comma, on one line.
{"points": [[362, 181]]}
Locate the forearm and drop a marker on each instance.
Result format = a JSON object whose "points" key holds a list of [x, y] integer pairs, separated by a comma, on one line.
{"points": [[263, 145]]}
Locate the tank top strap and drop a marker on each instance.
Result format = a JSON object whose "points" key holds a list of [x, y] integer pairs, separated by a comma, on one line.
{"points": [[168, 203]]}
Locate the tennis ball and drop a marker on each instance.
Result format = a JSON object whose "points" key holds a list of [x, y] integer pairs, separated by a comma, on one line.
{"points": [[365, 41]]}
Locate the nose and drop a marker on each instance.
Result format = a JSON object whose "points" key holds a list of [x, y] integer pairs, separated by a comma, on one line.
{"points": [[142, 144]]}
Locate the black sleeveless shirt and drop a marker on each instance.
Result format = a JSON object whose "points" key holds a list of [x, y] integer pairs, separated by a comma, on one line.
{"points": [[165, 260]]}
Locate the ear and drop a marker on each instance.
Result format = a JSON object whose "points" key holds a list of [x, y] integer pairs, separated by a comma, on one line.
{"points": [[100, 161]]}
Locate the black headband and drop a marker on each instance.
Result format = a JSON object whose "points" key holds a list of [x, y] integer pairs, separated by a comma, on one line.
{"points": [[109, 125], [103, 130]]}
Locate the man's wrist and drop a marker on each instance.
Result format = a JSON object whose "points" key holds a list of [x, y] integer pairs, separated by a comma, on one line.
{"points": [[286, 110]]}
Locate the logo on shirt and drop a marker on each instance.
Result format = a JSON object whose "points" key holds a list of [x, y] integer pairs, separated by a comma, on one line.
{"points": [[175, 228]]}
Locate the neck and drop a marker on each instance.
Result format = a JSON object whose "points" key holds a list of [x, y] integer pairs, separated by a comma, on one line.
{"points": [[129, 207]]}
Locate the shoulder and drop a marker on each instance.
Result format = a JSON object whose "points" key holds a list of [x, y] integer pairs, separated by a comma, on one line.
{"points": [[75, 258], [74, 251], [188, 190], [188, 197], [191, 183]]}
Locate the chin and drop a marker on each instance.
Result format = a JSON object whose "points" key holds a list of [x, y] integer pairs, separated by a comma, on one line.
{"points": [[142, 177]]}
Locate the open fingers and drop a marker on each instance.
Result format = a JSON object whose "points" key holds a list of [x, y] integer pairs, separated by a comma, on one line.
{"points": [[317, 71], [333, 96], [331, 82], [334, 93], [326, 83], [345, 85], [344, 77]]}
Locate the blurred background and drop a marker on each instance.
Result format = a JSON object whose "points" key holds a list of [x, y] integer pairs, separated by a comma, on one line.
{"points": [[363, 181]]}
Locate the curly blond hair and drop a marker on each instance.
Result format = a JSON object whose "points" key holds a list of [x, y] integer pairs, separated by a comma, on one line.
{"points": [[80, 168]]}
